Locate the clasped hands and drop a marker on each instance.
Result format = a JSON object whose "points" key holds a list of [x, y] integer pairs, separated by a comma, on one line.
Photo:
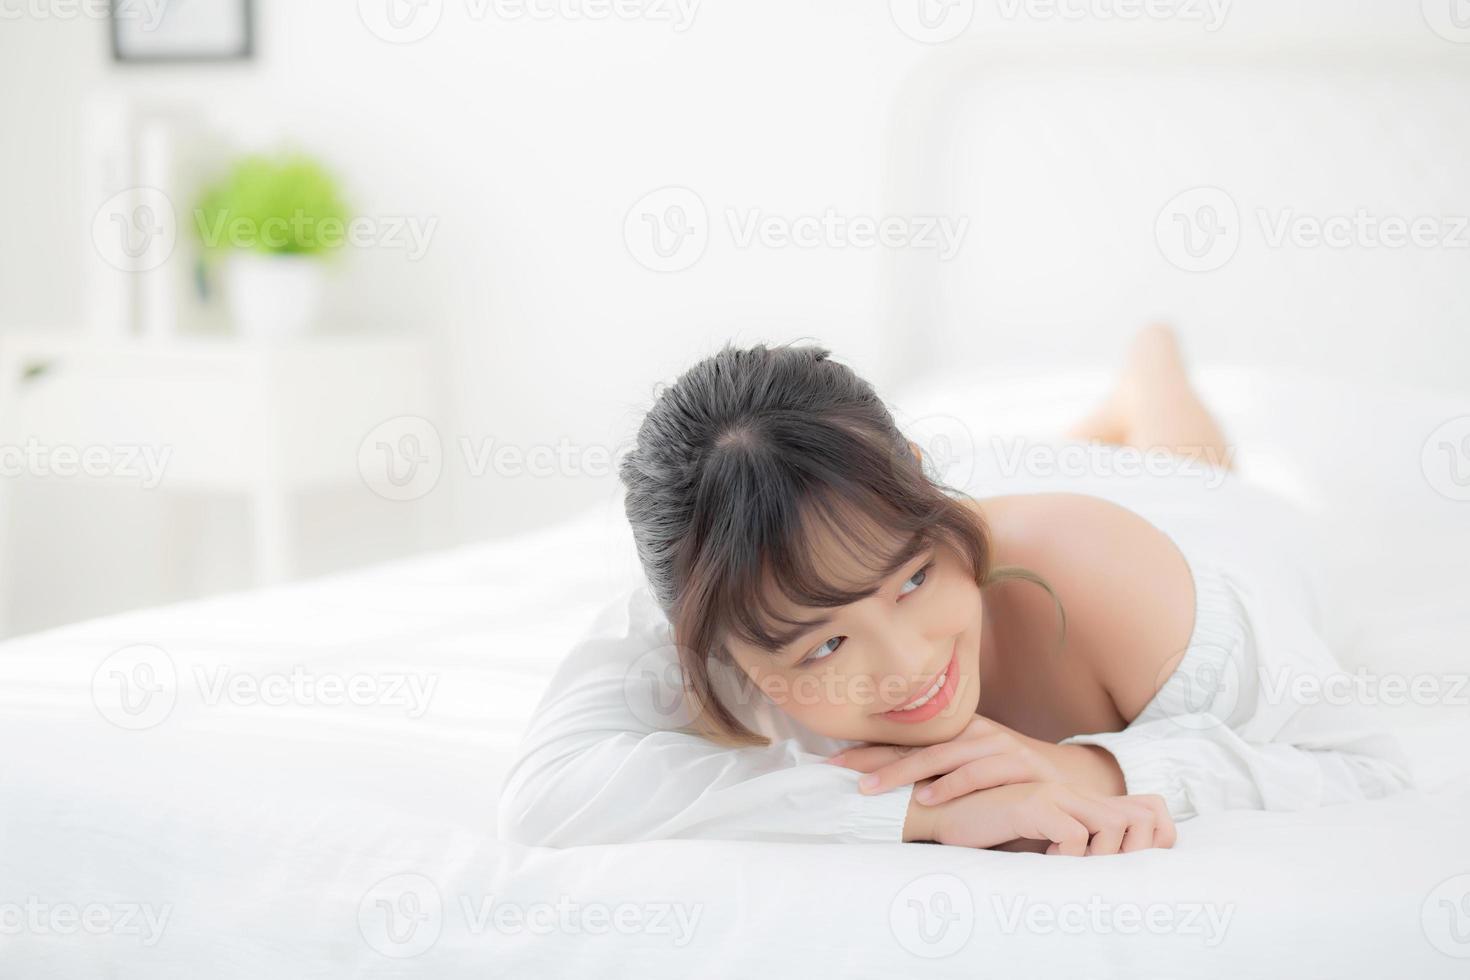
{"points": [[992, 787]]}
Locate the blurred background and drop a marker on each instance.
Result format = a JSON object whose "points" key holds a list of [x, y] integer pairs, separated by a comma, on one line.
{"points": [[287, 288]]}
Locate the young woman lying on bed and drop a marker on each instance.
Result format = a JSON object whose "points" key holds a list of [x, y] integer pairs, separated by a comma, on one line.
{"points": [[832, 647]]}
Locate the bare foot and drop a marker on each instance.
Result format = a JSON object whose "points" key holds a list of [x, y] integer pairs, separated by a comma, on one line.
{"points": [[1152, 356], [1154, 404], [1102, 424]]}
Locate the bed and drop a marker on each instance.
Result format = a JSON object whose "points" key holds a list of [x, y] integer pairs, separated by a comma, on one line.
{"points": [[302, 781], [189, 792]]}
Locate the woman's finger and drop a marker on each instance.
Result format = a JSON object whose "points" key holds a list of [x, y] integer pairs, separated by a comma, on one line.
{"points": [[935, 760], [985, 773], [1109, 831], [1068, 834], [1106, 822], [1165, 833], [1140, 834], [931, 760]]}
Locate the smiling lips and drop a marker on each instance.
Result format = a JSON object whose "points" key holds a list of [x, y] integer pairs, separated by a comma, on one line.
{"points": [[935, 697]]}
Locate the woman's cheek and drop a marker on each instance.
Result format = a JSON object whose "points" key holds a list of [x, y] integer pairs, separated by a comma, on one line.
{"points": [[831, 703], [775, 686]]}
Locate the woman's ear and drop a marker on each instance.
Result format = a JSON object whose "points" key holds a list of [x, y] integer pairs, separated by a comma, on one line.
{"points": [[918, 454]]}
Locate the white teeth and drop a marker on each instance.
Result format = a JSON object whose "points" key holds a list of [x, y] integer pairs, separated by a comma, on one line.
{"points": [[924, 699]]}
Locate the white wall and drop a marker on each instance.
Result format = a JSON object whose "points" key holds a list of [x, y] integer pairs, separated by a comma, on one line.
{"points": [[528, 141]]}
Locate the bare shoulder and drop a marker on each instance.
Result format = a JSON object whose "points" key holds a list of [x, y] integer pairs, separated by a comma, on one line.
{"points": [[1125, 586]]}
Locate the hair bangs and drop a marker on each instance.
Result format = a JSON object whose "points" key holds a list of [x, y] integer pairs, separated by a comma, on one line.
{"points": [[817, 525], [838, 549]]}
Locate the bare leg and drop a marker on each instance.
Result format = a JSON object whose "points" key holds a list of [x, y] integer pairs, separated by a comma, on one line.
{"points": [[1154, 404]]}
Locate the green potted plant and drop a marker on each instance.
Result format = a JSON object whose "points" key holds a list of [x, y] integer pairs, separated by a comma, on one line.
{"points": [[273, 221]]}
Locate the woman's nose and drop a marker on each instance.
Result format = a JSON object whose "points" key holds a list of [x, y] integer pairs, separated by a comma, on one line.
{"points": [[900, 662]]}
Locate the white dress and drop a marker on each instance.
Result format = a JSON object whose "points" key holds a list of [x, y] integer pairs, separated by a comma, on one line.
{"points": [[1254, 716]]}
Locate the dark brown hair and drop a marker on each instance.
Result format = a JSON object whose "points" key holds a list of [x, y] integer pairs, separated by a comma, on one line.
{"points": [[738, 466]]}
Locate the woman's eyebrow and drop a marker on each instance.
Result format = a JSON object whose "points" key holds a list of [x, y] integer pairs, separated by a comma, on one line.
{"points": [[902, 557]]}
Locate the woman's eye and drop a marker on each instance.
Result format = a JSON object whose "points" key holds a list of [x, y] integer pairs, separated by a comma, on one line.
{"points": [[916, 580], [821, 652]]}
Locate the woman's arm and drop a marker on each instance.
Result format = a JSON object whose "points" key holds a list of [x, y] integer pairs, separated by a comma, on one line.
{"points": [[1227, 713], [1245, 722], [600, 765]]}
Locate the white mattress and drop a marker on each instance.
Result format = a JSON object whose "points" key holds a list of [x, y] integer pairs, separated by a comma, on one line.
{"points": [[240, 839]]}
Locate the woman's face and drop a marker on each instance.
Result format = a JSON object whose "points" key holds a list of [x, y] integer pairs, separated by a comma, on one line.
{"points": [[899, 667]]}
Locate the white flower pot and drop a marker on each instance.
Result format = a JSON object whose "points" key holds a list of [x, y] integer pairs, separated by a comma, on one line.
{"points": [[273, 297]]}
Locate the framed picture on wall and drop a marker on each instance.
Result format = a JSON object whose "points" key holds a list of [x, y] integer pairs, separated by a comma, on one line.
{"points": [[182, 30]]}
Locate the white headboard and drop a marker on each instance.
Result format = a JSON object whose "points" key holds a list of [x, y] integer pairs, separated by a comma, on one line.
{"points": [[1065, 159]]}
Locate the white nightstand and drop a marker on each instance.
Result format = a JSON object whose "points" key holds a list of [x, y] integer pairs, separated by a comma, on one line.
{"points": [[220, 415]]}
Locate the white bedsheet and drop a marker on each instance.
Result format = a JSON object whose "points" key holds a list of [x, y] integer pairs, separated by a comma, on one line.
{"points": [[228, 837]]}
